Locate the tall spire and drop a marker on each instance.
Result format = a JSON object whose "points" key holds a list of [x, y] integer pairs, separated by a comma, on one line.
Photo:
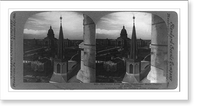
{"points": [[133, 53], [60, 20], [60, 41]]}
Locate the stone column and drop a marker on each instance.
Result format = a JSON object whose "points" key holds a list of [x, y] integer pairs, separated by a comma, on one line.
{"points": [[159, 42], [87, 73], [81, 46]]}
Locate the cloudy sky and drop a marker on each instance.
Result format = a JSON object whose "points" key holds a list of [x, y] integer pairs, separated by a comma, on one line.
{"points": [[38, 25], [109, 26]]}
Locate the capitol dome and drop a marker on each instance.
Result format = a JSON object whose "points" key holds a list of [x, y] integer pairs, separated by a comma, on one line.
{"points": [[50, 32], [123, 32]]}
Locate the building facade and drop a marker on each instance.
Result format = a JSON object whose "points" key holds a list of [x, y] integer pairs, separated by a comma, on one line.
{"points": [[50, 41], [123, 40]]}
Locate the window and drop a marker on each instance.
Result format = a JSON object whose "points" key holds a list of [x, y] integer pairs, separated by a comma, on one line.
{"points": [[58, 68], [130, 68], [136, 68]]}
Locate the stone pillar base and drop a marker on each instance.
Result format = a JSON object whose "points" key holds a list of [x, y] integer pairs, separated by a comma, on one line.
{"points": [[58, 78], [131, 78], [156, 75], [86, 76]]}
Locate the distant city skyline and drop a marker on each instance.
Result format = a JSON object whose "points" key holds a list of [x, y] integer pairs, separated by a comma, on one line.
{"points": [[109, 26]]}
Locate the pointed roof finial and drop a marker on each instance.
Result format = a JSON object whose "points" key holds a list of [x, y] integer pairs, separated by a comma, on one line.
{"points": [[60, 19], [134, 19], [123, 27], [50, 27]]}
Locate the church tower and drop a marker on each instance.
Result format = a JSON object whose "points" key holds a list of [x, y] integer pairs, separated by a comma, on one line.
{"points": [[133, 65], [60, 62]]}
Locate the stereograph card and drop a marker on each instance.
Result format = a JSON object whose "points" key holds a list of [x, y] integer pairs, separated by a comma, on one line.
{"points": [[93, 50]]}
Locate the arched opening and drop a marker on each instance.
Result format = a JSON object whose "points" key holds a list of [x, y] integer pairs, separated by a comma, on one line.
{"points": [[130, 68], [58, 68], [136, 68]]}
